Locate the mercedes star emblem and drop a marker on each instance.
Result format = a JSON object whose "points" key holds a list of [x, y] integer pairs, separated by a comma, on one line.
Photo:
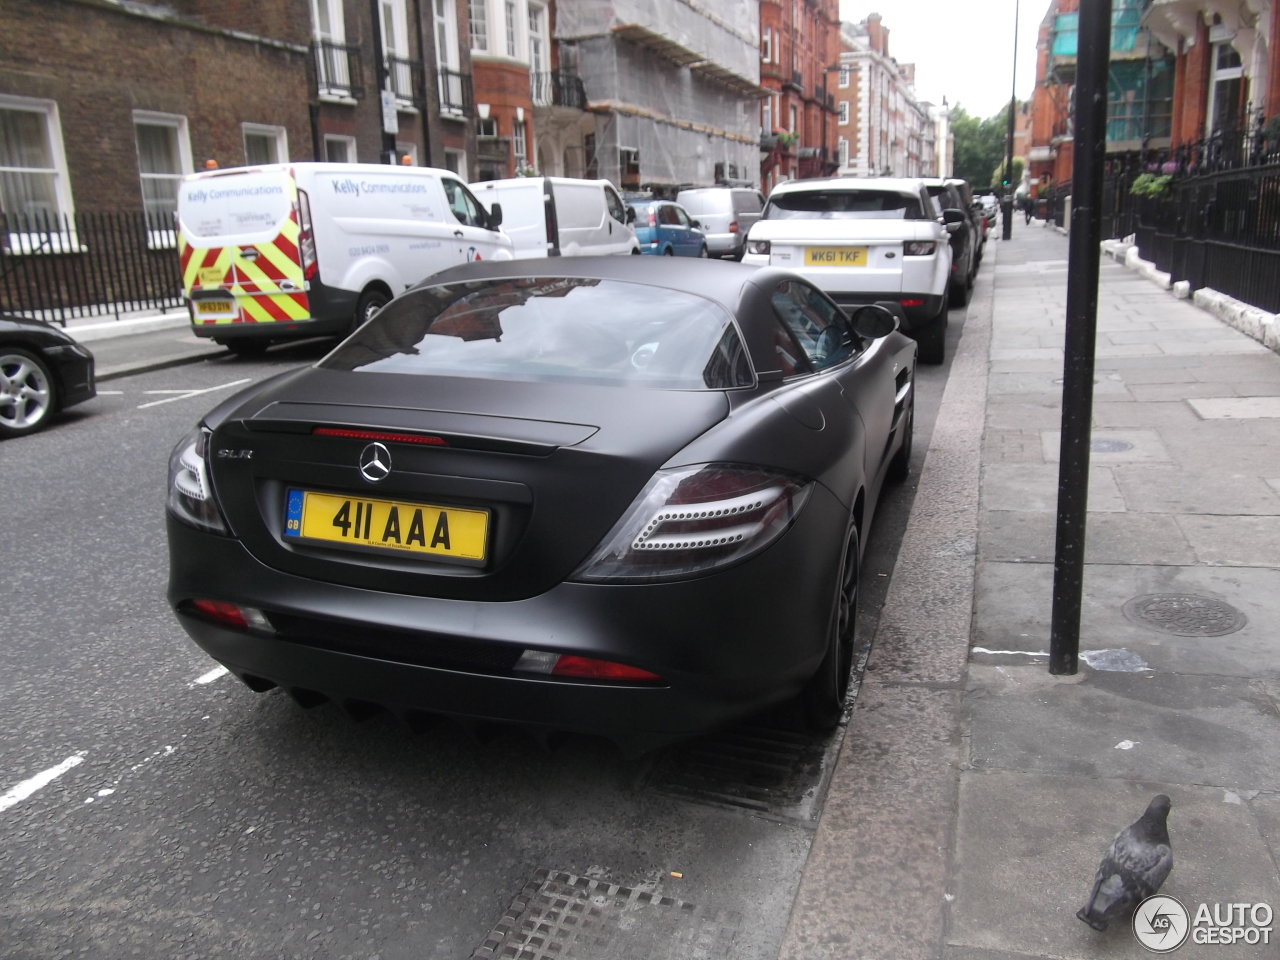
{"points": [[375, 462]]}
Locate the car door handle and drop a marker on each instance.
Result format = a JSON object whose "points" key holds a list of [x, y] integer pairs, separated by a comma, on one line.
{"points": [[457, 233]]}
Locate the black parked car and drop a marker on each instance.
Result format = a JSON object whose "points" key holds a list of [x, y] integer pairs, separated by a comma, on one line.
{"points": [[965, 237], [42, 371], [624, 496]]}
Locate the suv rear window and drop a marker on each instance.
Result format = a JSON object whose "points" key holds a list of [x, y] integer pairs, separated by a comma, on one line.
{"points": [[554, 329], [842, 205]]}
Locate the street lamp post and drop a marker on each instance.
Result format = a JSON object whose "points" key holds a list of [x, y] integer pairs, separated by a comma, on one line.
{"points": [[1089, 158], [1006, 203]]}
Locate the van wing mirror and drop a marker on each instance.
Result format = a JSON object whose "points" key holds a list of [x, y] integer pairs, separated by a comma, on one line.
{"points": [[495, 216]]}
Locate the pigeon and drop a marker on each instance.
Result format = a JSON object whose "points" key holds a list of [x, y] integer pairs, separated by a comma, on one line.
{"points": [[1137, 864]]}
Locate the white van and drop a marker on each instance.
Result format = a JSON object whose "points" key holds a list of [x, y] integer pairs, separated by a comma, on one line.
{"points": [[299, 249], [561, 216]]}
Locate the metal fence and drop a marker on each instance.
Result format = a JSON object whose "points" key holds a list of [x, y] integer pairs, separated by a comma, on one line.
{"points": [[91, 264]]}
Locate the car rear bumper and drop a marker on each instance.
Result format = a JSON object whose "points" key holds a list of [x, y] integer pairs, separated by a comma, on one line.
{"points": [[726, 645], [724, 244]]}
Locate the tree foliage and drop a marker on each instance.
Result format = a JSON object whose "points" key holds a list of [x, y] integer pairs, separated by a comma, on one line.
{"points": [[997, 175], [979, 146]]}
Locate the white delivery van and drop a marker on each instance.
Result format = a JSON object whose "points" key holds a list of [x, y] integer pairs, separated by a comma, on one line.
{"points": [[299, 249], [561, 216]]}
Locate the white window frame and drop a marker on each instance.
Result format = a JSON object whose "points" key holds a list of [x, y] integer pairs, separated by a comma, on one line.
{"points": [[537, 16], [166, 239], [793, 118], [405, 147], [59, 242], [449, 57], [766, 44], [1217, 75], [844, 113], [280, 134], [462, 162], [842, 151], [766, 115], [520, 144], [482, 22], [511, 27], [337, 23], [349, 142], [399, 27], [844, 76]]}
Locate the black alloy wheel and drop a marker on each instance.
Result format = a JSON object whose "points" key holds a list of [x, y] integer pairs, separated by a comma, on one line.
{"points": [[900, 465], [824, 695], [931, 341]]}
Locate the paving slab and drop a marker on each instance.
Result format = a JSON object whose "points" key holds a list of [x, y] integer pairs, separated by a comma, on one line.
{"points": [[1160, 488], [1234, 541], [1112, 446], [1013, 604], [1034, 486], [1028, 845], [1143, 538]]}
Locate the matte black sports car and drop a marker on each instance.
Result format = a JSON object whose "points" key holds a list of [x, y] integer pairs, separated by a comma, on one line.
{"points": [[607, 495], [42, 370]]}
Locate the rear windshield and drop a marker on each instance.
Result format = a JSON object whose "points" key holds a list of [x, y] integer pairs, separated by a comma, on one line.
{"points": [[842, 205], [252, 203], [569, 330]]}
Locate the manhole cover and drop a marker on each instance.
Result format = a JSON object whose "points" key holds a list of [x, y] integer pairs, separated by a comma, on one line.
{"points": [[1185, 615], [576, 918], [1110, 446]]}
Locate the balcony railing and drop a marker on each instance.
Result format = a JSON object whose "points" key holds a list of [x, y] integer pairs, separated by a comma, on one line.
{"points": [[796, 82], [558, 90], [338, 71], [455, 93], [406, 79], [493, 149]]}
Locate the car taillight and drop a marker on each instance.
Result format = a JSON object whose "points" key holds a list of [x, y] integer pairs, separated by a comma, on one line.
{"points": [[306, 238], [585, 668], [912, 303], [733, 226], [653, 218], [231, 614], [758, 246], [694, 520], [191, 497], [919, 248]]}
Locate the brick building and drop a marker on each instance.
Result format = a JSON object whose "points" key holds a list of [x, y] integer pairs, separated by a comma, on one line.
{"points": [[883, 128], [799, 50]]}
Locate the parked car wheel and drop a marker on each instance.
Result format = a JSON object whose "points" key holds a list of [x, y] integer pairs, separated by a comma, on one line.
{"points": [[932, 341], [825, 693], [370, 302], [958, 293], [703, 252], [28, 393], [668, 252]]}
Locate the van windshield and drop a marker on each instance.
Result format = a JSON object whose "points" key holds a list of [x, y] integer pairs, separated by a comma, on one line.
{"points": [[558, 329], [843, 205], [253, 203]]}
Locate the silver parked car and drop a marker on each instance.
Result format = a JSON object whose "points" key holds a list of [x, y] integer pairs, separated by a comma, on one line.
{"points": [[727, 215]]}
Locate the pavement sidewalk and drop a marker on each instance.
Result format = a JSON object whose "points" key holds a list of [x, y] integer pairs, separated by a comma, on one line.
{"points": [[141, 341], [975, 794]]}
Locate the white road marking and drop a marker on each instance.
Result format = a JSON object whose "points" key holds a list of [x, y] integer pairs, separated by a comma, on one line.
{"points": [[1011, 653], [192, 393], [110, 393], [211, 676], [27, 787]]}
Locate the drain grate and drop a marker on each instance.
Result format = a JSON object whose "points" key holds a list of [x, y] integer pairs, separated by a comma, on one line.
{"points": [[565, 917], [773, 772], [1185, 615]]}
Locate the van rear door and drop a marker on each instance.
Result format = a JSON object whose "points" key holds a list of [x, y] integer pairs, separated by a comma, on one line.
{"points": [[238, 244]]}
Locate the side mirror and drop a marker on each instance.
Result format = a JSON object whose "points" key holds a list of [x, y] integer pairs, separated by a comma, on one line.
{"points": [[495, 216], [873, 322], [954, 216], [631, 214], [697, 224], [953, 227]]}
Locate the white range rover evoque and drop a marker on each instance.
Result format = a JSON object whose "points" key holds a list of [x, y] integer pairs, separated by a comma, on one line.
{"points": [[863, 241]]}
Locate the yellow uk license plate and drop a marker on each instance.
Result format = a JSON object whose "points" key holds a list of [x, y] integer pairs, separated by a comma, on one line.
{"points": [[219, 308], [447, 533], [835, 256]]}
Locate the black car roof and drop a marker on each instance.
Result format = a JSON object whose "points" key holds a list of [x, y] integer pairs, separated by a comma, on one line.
{"points": [[718, 280]]}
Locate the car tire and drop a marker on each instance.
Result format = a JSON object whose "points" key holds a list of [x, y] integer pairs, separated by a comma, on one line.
{"points": [[703, 253], [28, 392], [370, 302], [824, 695], [958, 293], [668, 252], [932, 340], [247, 348], [900, 465]]}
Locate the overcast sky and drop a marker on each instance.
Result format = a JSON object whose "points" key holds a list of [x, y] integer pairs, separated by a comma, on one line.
{"points": [[963, 51]]}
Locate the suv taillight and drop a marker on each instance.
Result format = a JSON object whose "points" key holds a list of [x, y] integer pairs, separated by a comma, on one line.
{"points": [[733, 226], [306, 238]]}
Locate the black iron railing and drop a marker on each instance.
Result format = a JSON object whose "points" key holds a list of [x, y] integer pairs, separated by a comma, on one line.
{"points": [[90, 264], [338, 72], [558, 90], [406, 79], [455, 93]]}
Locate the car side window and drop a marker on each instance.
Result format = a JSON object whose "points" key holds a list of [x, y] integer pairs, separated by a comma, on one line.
{"points": [[791, 358], [819, 328], [667, 216], [616, 209], [682, 218], [465, 207]]}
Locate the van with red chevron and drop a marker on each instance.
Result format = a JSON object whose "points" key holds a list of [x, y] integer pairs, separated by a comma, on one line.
{"points": [[284, 251]]}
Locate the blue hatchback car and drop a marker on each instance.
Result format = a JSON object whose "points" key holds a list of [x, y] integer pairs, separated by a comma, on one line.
{"points": [[665, 229]]}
